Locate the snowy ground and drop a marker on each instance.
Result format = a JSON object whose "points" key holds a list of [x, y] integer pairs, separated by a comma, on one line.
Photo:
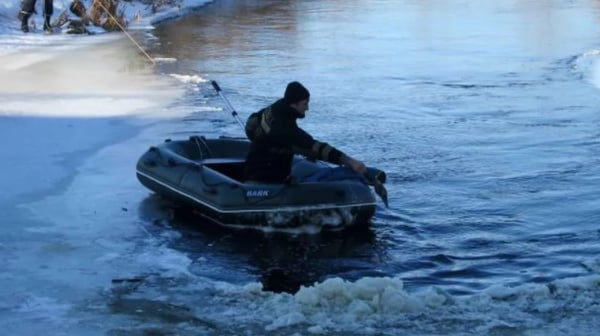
{"points": [[69, 94], [64, 100], [135, 12]]}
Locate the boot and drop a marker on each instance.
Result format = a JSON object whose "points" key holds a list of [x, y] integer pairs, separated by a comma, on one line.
{"points": [[47, 26], [24, 21]]}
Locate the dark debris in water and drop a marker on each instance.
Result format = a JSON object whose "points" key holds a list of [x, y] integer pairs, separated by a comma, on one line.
{"points": [[281, 280], [127, 280], [153, 310], [149, 331]]}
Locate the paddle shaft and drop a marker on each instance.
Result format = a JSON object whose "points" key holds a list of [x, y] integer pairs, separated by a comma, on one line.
{"points": [[227, 103]]}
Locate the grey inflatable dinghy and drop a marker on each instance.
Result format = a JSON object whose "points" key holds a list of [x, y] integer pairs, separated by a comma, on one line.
{"points": [[207, 174]]}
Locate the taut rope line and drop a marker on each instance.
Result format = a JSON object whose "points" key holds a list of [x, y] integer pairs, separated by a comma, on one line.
{"points": [[126, 33]]}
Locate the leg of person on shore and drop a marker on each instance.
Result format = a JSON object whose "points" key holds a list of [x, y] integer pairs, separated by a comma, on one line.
{"points": [[28, 8], [48, 11]]}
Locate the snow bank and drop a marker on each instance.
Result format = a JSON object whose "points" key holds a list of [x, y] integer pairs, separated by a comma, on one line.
{"points": [[138, 15]]}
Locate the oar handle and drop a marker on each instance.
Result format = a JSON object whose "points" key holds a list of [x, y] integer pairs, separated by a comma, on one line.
{"points": [[216, 86]]}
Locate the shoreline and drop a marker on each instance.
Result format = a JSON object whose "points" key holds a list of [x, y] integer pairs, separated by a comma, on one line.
{"points": [[59, 167], [62, 107], [138, 14]]}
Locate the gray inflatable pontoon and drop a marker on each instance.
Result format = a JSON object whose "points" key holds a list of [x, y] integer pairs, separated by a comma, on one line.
{"points": [[207, 174]]}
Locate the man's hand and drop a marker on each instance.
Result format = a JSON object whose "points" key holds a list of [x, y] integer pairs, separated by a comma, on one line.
{"points": [[356, 165]]}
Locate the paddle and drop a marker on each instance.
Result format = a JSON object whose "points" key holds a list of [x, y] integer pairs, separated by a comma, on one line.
{"points": [[373, 175], [227, 103], [380, 191]]}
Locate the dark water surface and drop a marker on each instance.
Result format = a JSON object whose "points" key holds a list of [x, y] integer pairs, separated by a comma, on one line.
{"points": [[484, 114]]}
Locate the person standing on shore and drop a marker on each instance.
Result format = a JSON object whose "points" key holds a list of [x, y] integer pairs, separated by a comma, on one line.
{"points": [[28, 8]]}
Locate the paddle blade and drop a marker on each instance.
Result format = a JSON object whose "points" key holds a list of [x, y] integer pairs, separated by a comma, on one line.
{"points": [[381, 192]]}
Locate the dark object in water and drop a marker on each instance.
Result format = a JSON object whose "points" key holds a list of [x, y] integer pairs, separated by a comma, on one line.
{"points": [[207, 174], [279, 280]]}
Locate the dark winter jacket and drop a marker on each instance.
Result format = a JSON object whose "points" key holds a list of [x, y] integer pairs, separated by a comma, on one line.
{"points": [[275, 137]]}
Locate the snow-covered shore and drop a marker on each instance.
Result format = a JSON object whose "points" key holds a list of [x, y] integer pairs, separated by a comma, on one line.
{"points": [[71, 109], [137, 14], [64, 96]]}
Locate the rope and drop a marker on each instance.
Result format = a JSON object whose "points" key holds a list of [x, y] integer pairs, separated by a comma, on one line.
{"points": [[199, 149], [126, 33]]}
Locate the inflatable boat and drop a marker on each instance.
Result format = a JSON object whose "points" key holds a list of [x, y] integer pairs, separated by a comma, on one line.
{"points": [[207, 174]]}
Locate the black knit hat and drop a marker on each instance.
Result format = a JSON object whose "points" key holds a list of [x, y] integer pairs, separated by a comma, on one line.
{"points": [[295, 92]]}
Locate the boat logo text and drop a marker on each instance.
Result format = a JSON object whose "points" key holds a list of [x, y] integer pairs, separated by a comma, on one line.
{"points": [[257, 193]]}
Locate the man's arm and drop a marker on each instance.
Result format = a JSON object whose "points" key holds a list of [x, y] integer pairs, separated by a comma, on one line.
{"points": [[324, 151], [356, 165]]}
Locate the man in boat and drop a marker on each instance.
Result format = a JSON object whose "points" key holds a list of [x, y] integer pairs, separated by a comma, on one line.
{"points": [[275, 137], [28, 8]]}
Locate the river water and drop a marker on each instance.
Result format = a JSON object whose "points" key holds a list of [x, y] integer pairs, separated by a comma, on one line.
{"points": [[484, 114]]}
